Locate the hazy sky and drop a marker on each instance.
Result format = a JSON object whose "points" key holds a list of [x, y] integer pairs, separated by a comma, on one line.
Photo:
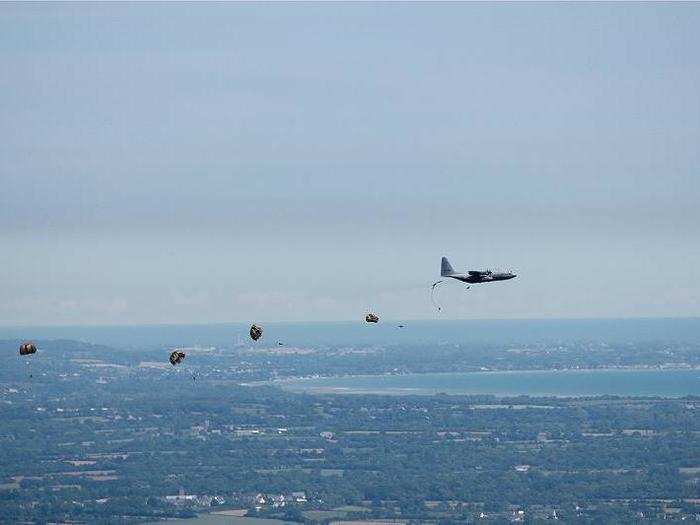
{"points": [[202, 163]]}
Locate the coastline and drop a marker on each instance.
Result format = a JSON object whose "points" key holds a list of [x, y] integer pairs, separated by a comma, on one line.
{"points": [[588, 382]]}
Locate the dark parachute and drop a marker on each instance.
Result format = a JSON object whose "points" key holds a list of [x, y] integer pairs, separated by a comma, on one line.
{"points": [[256, 332], [371, 318], [27, 348], [177, 357]]}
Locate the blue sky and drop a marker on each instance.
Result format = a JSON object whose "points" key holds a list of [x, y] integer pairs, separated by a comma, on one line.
{"points": [[171, 163]]}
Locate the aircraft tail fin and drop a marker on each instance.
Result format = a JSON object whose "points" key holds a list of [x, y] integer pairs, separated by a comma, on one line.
{"points": [[446, 268]]}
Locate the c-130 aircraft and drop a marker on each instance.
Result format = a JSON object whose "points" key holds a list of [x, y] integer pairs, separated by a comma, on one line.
{"points": [[473, 276]]}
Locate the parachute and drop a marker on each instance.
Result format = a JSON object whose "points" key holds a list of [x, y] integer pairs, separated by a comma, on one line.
{"points": [[256, 332], [371, 318], [177, 357], [27, 348]]}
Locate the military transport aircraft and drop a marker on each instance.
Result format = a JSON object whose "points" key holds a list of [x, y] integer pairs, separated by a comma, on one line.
{"points": [[473, 276]]}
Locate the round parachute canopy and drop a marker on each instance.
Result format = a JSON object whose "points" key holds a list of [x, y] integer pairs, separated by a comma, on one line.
{"points": [[371, 318], [177, 357], [256, 332], [27, 348]]}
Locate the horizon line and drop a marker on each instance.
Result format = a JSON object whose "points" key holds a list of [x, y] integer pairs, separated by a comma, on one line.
{"points": [[345, 321]]}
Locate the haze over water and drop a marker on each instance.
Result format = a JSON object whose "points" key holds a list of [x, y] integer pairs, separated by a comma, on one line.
{"points": [[384, 333]]}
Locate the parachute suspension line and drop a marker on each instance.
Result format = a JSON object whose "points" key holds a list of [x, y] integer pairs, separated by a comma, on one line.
{"points": [[432, 296]]}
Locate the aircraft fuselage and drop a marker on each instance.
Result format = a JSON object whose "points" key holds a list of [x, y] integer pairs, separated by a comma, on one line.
{"points": [[473, 279]]}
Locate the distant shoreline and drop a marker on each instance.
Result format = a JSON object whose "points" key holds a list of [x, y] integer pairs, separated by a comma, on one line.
{"points": [[632, 368], [356, 332], [672, 382]]}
